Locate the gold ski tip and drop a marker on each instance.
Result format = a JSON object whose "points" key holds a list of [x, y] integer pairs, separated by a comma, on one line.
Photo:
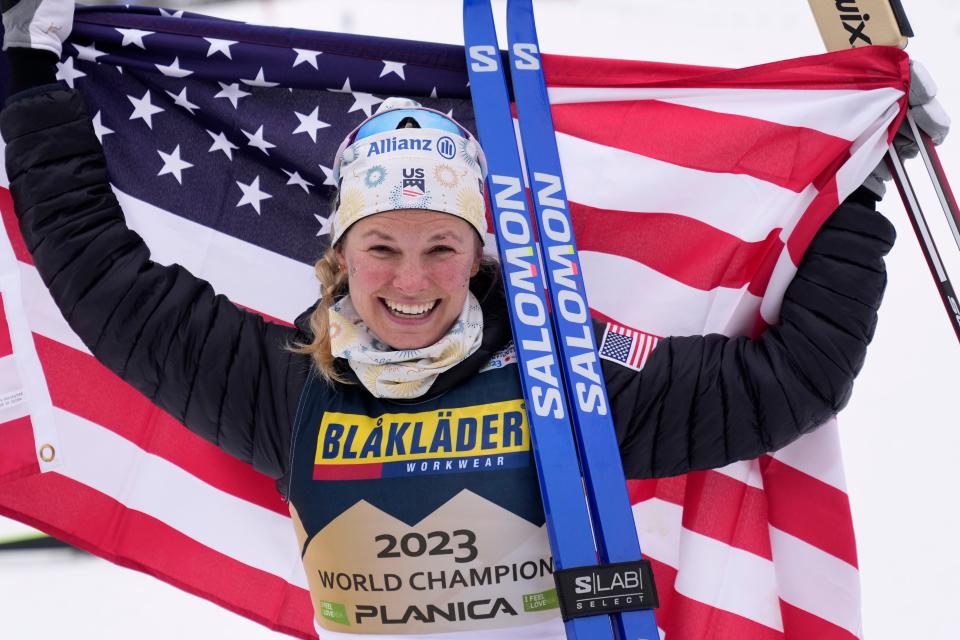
{"points": [[846, 24]]}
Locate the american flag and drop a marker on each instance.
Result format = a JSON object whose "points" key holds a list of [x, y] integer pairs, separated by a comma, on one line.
{"points": [[627, 346], [694, 192]]}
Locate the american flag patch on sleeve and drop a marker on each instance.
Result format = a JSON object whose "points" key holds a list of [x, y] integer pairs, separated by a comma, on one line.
{"points": [[627, 346]]}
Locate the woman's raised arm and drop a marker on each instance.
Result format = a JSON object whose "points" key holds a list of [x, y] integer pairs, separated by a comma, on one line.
{"points": [[222, 371], [706, 401]]}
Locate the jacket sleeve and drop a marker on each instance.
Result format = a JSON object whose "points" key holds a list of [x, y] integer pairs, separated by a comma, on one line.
{"points": [[705, 401], [221, 371]]}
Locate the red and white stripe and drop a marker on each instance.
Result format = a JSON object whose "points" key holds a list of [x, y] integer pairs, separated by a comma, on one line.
{"points": [[715, 182]]}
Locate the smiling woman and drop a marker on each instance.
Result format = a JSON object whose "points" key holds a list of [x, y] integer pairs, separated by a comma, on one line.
{"points": [[392, 414]]}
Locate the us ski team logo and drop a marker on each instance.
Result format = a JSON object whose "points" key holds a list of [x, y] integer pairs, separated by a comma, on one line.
{"points": [[414, 185]]}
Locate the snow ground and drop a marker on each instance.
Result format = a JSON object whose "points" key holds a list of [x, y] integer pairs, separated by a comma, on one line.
{"points": [[899, 432]]}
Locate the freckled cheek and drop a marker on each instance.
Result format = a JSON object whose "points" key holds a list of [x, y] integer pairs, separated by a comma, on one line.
{"points": [[367, 277], [451, 277]]}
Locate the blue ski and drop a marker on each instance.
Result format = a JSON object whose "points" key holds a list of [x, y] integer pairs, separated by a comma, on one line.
{"points": [[583, 589], [609, 501], [561, 488]]}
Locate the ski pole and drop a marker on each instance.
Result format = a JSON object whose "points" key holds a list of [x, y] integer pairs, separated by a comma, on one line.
{"points": [[930, 253], [931, 159], [859, 23]]}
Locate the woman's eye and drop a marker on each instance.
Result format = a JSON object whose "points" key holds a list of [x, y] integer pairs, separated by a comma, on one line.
{"points": [[381, 249], [442, 250]]}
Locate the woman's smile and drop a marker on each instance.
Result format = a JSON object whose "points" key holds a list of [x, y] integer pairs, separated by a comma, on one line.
{"points": [[410, 310]]}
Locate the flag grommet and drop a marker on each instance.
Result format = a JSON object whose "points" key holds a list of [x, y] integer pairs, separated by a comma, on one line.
{"points": [[47, 452]]}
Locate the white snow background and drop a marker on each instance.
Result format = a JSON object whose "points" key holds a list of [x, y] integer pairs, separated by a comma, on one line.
{"points": [[900, 432]]}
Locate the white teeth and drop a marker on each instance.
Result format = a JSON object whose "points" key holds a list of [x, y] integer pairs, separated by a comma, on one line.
{"points": [[410, 309]]}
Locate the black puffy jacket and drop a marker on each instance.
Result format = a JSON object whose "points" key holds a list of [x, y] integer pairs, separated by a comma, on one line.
{"points": [[700, 402]]}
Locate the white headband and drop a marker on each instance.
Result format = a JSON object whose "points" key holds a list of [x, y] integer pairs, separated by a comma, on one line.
{"points": [[410, 169]]}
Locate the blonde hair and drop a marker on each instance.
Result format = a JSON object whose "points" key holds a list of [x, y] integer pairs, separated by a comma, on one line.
{"points": [[334, 286]]}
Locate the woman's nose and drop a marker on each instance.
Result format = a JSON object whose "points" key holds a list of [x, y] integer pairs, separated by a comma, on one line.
{"points": [[410, 277]]}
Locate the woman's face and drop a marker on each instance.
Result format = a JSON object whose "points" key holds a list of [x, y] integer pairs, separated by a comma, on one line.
{"points": [[409, 273]]}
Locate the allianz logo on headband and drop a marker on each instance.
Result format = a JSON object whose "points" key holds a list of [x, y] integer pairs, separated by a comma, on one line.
{"points": [[445, 146]]}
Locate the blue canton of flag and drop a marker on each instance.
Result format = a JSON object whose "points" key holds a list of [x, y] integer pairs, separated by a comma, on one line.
{"points": [[235, 136], [617, 347]]}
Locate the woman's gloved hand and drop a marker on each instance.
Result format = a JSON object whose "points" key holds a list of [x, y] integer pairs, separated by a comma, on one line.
{"points": [[37, 24], [931, 119]]}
